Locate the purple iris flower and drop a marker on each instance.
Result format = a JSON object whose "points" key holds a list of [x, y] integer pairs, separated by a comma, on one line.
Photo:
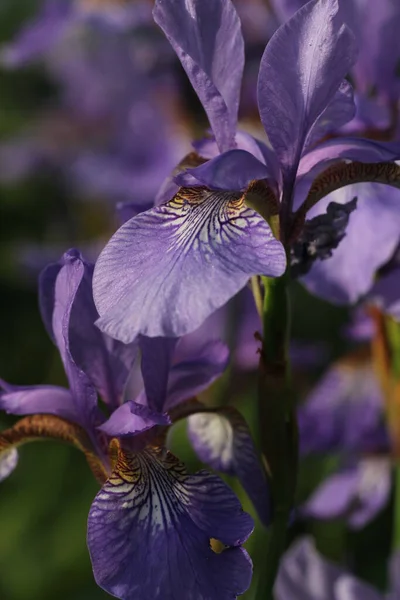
{"points": [[305, 575], [149, 506], [207, 241], [344, 415]]}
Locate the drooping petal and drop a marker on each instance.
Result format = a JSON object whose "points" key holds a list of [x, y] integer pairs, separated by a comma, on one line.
{"points": [[372, 236], [232, 170], [206, 35], [149, 532], [223, 441], [167, 269], [195, 371], [132, 418], [39, 399], [8, 461], [301, 70]]}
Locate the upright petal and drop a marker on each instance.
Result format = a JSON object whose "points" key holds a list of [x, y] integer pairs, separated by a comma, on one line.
{"points": [[339, 111], [149, 532], [66, 287], [206, 35], [193, 372], [47, 286], [167, 269], [105, 361], [157, 355], [223, 441], [301, 70]]}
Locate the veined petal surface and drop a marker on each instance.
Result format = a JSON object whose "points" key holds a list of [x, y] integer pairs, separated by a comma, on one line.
{"points": [[207, 38], [301, 70], [149, 532], [166, 270], [223, 441]]}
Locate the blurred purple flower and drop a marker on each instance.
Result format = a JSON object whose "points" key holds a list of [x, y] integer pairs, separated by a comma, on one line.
{"points": [[125, 513], [109, 134], [344, 415], [356, 493], [306, 575]]}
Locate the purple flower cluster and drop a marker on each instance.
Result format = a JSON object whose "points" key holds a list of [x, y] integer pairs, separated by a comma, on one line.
{"points": [[314, 196]]}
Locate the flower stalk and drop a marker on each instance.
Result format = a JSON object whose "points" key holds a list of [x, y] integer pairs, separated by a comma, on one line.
{"points": [[277, 421]]}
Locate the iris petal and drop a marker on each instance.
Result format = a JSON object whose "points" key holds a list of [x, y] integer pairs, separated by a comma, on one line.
{"points": [[223, 441], [166, 270], [149, 532], [8, 461]]}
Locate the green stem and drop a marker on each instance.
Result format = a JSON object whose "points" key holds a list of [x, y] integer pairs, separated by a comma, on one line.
{"points": [[277, 422], [396, 515], [393, 337]]}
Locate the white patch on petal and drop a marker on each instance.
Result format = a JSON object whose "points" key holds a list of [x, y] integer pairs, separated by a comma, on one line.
{"points": [[373, 476], [8, 462], [215, 434]]}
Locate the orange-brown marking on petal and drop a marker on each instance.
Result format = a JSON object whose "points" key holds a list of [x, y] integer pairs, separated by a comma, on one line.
{"points": [[40, 427]]}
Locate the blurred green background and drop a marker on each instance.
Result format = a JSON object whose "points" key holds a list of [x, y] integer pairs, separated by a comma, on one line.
{"points": [[44, 504]]}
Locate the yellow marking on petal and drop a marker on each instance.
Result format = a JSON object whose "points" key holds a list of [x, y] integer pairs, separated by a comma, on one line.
{"points": [[217, 546], [39, 427]]}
